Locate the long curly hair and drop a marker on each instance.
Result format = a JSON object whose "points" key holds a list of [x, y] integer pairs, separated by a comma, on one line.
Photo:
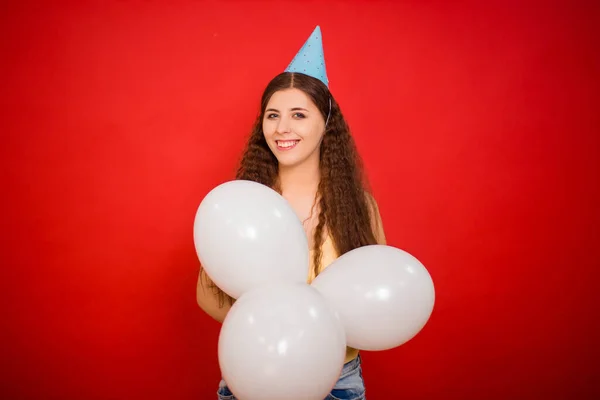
{"points": [[344, 206]]}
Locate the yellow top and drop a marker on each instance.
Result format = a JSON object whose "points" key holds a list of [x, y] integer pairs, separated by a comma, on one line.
{"points": [[328, 256]]}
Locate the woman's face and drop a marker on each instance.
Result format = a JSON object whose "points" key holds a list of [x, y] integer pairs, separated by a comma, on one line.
{"points": [[293, 127]]}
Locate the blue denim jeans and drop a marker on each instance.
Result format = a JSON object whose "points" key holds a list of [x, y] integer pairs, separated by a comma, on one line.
{"points": [[350, 385]]}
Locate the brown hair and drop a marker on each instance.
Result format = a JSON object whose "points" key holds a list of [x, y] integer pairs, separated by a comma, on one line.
{"points": [[344, 206]]}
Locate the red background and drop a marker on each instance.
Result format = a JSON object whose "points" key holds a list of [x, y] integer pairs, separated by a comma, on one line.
{"points": [[478, 125]]}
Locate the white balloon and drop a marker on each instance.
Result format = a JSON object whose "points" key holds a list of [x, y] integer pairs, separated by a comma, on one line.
{"points": [[247, 234], [384, 295], [281, 342]]}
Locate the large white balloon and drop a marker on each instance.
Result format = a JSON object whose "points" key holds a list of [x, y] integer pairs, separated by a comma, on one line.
{"points": [[383, 295], [281, 342], [247, 234]]}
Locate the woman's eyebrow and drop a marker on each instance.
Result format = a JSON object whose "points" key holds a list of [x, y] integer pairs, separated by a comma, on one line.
{"points": [[292, 109]]}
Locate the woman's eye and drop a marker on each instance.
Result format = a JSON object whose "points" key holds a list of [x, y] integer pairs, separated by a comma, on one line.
{"points": [[271, 116], [299, 115]]}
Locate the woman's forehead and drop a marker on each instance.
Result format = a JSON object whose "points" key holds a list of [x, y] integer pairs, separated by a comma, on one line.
{"points": [[290, 98]]}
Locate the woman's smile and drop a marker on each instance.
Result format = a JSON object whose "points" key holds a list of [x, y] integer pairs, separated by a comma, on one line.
{"points": [[285, 145]]}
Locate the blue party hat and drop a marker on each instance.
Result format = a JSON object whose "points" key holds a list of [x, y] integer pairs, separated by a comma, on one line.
{"points": [[310, 60]]}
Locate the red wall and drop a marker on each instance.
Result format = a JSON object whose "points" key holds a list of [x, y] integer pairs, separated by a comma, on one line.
{"points": [[478, 124]]}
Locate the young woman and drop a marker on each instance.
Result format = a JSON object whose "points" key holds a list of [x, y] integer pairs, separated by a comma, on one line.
{"points": [[301, 146]]}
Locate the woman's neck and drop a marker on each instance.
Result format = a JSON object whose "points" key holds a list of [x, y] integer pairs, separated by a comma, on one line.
{"points": [[299, 179]]}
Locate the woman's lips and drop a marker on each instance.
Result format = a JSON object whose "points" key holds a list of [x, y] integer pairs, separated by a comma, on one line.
{"points": [[286, 144]]}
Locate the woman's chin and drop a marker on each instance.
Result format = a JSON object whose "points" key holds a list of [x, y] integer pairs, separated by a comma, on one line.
{"points": [[287, 162], [295, 160]]}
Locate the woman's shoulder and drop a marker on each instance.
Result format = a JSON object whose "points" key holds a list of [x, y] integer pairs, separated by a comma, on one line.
{"points": [[375, 215], [370, 199]]}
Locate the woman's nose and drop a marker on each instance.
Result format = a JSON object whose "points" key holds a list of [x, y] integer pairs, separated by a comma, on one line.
{"points": [[283, 126]]}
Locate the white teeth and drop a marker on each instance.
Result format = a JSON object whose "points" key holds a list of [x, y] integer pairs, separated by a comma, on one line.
{"points": [[286, 144]]}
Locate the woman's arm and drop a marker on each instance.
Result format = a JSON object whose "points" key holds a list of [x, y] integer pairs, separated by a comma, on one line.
{"points": [[209, 299]]}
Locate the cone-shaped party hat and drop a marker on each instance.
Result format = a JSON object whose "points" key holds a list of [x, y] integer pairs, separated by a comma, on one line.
{"points": [[310, 59]]}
